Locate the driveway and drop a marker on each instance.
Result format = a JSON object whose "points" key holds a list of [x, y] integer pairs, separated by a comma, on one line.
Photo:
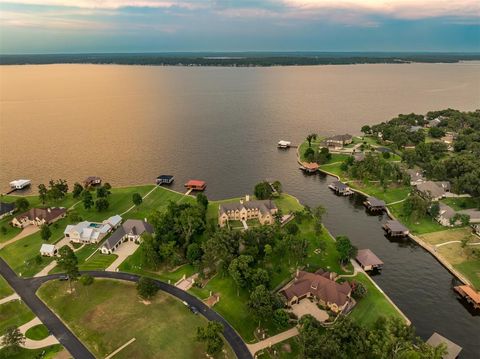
{"points": [[124, 250], [27, 288], [24, 233], [305, 306]]}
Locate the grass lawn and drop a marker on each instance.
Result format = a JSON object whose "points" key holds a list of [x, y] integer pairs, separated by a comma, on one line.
{"points": [[425, 225], [287, 349], [5, 289], [98, 261], [334, 168], [37, 332], [14, 313], [109, 313], [459, 203], [373, 305], [287, 203], [392, 194], [22, 353], [461, 258], [315, 146]]}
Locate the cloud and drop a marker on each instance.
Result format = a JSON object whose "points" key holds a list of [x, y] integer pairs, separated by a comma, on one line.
{"points": [[110, 4]]}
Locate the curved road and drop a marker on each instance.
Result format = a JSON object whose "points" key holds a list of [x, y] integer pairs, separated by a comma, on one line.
{"points": [[26, 289]]}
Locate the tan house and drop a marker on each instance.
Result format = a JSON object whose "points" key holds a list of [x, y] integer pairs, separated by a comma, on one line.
{"points": [[131, 230], [319, 286], [433, 190], [264, 211], [38, 217], [337, 142]]}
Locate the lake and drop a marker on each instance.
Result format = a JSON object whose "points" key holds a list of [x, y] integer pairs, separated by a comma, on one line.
{"points": [[129, 124]]}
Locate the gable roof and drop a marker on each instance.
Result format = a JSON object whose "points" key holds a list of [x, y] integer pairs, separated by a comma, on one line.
{"points": [[446, 211], [367, 258], [375, 202], [264, 206], [432, 189], [320, 286], [131, 226], [452, 349], [47, 214], [6, 207], [340, 186], [396, 226], [47, 248], [341, 138]]}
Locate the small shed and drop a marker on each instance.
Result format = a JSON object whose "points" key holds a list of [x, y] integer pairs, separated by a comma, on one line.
{"points": [[368, 260], [453, 350], [374, 204], [164, 179], [48, 250], [92, 181], [196, 185], [395, 229]]}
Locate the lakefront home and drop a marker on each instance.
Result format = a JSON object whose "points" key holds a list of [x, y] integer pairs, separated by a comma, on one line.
{"points": [[433, 190], [319, 286], [130, 230], [6, 209], [38, 217], [91, 232], [263, 210], [338, 141]]}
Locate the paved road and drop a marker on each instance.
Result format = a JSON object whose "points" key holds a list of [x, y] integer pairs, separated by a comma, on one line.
{"points": [[26, 291], [26, 288]]}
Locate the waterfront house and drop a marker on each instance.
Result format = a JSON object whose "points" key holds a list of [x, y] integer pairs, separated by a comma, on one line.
{"points": [[38, 217], [415, 128], [416, 176], [368, 260], [263, 210], [445, 215], [395, 229], [433, 190], [435, 122], [320, 287], [48, 250], [6, 209], [164, 179], [196, 185], [374, 204], [453, 350], [130, 230], [469, 294], [20, 184], [338, 141], [340, 188], [309, 167], [92, 181], [91, 232]]}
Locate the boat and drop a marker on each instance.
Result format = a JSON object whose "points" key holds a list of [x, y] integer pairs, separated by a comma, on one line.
{"points": [[284, 144]]}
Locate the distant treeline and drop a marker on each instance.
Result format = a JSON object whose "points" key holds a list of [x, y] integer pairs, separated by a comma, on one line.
{"points": [[239, 59]]}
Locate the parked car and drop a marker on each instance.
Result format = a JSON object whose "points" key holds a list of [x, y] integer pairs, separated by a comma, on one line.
{"points": [[193, 309]]}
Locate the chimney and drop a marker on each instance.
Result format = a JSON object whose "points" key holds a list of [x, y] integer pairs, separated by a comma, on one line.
{"points": [[247, 198]]}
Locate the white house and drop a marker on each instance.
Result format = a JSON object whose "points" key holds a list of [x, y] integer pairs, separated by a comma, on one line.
{"points": [[48, 250], [131, 230], [91, 232]]}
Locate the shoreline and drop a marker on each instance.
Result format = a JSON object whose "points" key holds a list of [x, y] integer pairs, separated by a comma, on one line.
{"points": [[429, 248]]}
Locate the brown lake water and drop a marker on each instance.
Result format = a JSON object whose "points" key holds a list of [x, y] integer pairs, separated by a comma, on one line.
{"points": [[128, 124]]}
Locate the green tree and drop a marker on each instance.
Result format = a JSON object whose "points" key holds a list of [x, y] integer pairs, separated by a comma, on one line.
{"points": [[281, 318], [318, 213], [202, 200], [309, 154], [102, 204], [102, 192], [434, 209], [263, 190], [22, 204], [211, 336], [261, 303], [345, 248], [149, 256], [77, 190], [87, 199], [137, 199], [311, 137], [278, 186], [3, 230], [67, 261], [146, 288], [190, 221], [291, 228], [260, 277], [45, 232], [86, 279], [42, 193], [12, 339], [194, 253], [415, 207], [436, 132], [366, 129], [240, 270], [359, 290]]}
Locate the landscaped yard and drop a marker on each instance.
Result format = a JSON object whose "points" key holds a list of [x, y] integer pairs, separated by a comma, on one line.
{"points": [[373, 305], [38, 332], [14, 313], [22, 353], [5, 289], [459, 203], [424, 225], [461, 258], [108, 314]]}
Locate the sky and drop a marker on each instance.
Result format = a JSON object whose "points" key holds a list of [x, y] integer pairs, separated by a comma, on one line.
{"points": [[79, 26]]}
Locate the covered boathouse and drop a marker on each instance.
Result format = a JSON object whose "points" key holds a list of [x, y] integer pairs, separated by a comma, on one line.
{"points": [[470, 295], [368, 260], [340, 188], [374, 204], [453, 350], [196, 185], [395, 229], [164, 179]]}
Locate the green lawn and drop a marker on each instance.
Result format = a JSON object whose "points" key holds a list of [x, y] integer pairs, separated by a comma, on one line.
{"points": [[287, 203], [461, 203], [373, 305], [304, 146], [98, 261], [424, 225], [287, 349], [334, 168], [5, 289], [109, 313], [471, 269], [14, 313], [22, 353], [37, 332], [392, 194]]}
